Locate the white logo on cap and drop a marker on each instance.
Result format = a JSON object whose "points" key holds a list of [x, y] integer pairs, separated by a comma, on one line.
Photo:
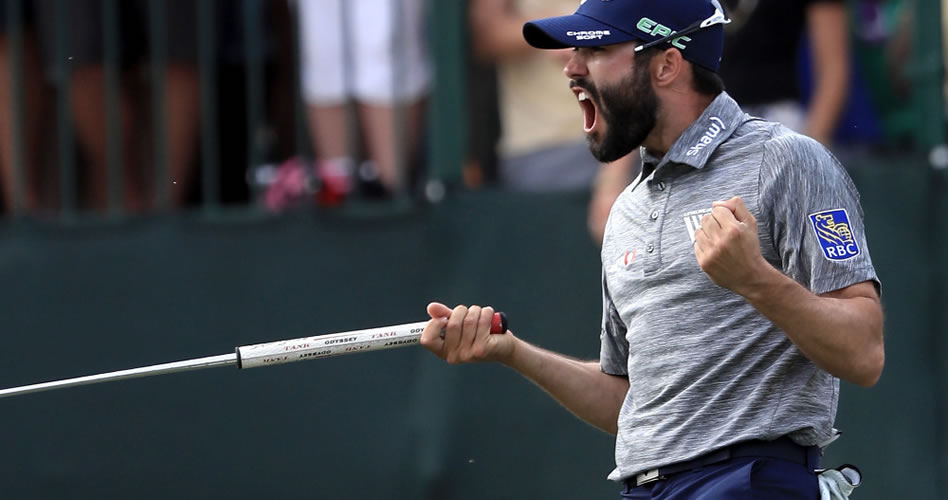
{"points": [[588, 35]]}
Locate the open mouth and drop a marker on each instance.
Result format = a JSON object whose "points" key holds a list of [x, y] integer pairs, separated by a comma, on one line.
{"points": [[589, 111]]}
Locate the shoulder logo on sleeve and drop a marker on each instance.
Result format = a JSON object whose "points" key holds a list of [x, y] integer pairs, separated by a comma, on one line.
{"points": [[835, 234]]}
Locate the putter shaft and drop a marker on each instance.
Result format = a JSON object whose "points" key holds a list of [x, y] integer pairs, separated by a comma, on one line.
{"points": [[144, 371]]}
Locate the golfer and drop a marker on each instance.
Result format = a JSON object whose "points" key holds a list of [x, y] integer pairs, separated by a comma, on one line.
{"points": [[736, 281]]}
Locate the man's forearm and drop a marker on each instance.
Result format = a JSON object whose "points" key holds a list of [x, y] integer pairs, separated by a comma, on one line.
{"points": [[580, 386], [828, 28], [496, 30], [840, 333], [827, 105]]}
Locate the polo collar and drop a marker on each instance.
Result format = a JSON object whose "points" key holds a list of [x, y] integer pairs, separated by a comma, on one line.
{"points": [[699, 141]]}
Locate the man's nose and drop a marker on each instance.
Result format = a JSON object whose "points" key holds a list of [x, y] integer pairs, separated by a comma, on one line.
{"points": [[576, 67]]}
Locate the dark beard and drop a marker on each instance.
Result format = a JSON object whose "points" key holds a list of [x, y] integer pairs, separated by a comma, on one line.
{"points": [[629, 111]]}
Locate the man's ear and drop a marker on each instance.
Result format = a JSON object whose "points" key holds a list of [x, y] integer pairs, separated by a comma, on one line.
{"points": [[666, 66]]}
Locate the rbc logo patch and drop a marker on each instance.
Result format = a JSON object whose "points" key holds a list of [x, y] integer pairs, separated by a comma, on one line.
{"points": [[835, 234]]}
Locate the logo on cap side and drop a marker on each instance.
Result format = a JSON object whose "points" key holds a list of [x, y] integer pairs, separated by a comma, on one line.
{"points": [[656, 29], [588, 35]]}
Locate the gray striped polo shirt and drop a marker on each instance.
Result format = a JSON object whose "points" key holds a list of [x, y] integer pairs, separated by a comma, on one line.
{"points": [[705, 368]]}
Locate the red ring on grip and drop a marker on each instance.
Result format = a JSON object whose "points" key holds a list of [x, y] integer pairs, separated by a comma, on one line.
{"points": [[498, 324]]}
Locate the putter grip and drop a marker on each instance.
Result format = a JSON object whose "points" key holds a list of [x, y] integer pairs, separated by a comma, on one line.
{"points": [[338, 344], [498, 323]]}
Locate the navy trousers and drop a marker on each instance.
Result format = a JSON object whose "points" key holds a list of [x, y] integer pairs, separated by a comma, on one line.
{"points": [[747, 478]]}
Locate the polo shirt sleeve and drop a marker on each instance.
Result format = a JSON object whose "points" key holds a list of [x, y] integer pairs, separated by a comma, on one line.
{"points": [[614, 346], [812, 210]]}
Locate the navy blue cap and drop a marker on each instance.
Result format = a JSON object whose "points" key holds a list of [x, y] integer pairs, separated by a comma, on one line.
{"points": [[608, 22]]}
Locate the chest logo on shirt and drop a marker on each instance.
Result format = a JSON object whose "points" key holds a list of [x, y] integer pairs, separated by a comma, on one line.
{"points": [[693, 221], [624, 261], [835, 234]]}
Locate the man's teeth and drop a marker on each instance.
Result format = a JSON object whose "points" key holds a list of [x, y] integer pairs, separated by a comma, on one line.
{"points": [[582, 96]]}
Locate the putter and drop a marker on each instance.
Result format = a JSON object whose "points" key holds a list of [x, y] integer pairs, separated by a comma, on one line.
{"points": [[268, 354]]}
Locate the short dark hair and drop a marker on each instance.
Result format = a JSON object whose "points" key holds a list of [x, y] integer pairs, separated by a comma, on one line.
{"points": [[706, 81]]}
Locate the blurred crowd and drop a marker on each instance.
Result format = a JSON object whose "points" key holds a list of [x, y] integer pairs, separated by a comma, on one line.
{"points": [[346, 87]]}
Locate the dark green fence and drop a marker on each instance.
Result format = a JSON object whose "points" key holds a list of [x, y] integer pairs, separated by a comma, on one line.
{"points": [[397, 424]]}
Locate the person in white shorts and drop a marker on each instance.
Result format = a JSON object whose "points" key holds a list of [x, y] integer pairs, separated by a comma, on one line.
{"points": [[372, 52]]}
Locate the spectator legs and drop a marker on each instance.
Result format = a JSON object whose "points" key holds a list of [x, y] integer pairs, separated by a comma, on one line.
{"points": [[30, 121], [391, 143], [183, 103], [88, 102], [87, 88], [328, 124]]}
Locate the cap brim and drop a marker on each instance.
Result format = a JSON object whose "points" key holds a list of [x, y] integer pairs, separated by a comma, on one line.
{"points": [[575, 30]]}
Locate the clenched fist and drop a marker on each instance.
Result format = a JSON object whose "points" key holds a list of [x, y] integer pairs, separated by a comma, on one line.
{"points": [[728, 247]]}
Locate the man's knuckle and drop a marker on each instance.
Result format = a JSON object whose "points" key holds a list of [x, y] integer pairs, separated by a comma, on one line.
{"points": [[711, 255]]}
